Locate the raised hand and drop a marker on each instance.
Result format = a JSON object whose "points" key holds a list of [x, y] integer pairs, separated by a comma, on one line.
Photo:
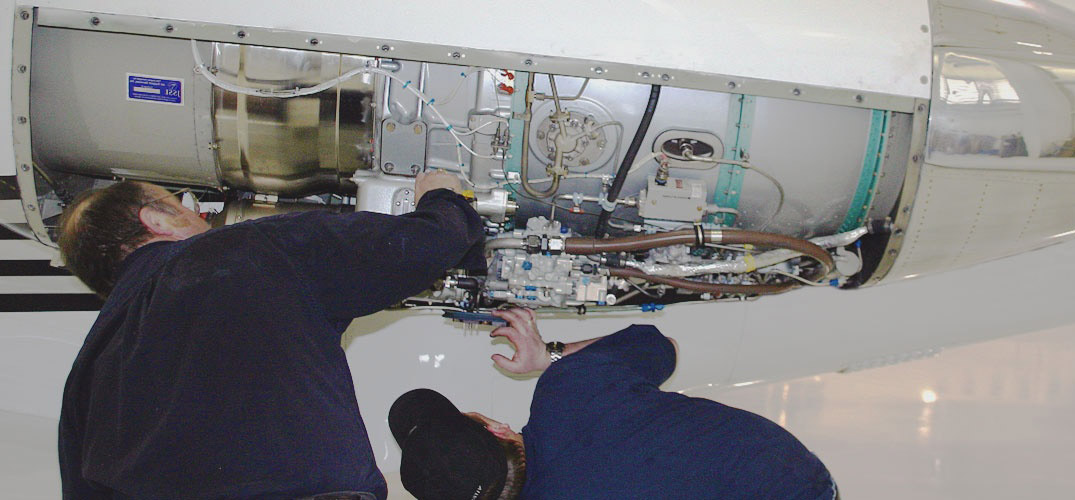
{"points": [[437, 179], [530, 354]]}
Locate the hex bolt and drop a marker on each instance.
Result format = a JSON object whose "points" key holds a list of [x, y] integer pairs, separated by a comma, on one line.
{"points": [[94, 21], [24, 15], [22, 120], [22, 68], [418, 129], [456, 55], [540, 135], [241, 34], [314, 41], [168, 28], [390, 127]]}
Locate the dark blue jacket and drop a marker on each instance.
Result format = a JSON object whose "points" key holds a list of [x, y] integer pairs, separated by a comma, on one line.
{"points": [[215, 367]]}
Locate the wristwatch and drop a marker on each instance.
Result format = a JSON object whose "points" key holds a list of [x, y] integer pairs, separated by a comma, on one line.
{"points": [[555, 350]]}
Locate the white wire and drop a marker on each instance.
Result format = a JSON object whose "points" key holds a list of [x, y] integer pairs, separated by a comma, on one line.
{"points": [[464, 75], [800, 278], [644, 160], [748, 166]]}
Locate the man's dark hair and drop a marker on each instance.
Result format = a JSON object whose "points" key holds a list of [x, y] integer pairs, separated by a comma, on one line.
{"points": [[99, 229]]}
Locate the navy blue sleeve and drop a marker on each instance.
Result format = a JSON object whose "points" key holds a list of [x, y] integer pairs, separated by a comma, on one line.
{"points": [[360, 263], [642, 349]]}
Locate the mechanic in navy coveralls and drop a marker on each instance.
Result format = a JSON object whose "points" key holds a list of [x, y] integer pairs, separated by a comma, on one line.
{"points": [[215, 368], [599, 427]]}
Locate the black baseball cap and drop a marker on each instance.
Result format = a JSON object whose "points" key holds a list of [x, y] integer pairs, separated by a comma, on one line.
{"points": [[446, 455]]}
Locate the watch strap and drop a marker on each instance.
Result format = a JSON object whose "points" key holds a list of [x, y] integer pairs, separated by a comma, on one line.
{"points": [[555, 350]]}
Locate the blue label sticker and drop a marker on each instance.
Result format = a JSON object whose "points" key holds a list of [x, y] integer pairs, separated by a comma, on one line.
{"points": [[154, 89]]}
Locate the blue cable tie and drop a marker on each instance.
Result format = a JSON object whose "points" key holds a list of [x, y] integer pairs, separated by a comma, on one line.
{"points": [[449, 127], [463, 74], [461, 165], [407, 83], [431, 101]]}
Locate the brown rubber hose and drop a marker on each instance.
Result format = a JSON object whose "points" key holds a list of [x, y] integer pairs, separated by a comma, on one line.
{"points": [[590, 246], [698, 286]]}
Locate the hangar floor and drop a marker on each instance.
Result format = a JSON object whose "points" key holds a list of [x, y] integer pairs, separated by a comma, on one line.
{"points": [[986, 421]]}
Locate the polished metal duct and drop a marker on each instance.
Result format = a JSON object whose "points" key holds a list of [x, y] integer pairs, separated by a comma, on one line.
{"points": [[84, 120]]}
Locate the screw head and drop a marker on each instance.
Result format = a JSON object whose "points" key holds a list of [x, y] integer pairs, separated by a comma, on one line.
{"points": [[907, 209], [32, 208], [418, 129], [385, 48], [859, 98], [528, 62], [25, 167], [893, 251], [916, 158], [391, 127], [22, 120], [415, 169], [456, 55], [796, 92], [94, 21], [599, 70], [22, 68], [644, 74], [921, 108], [314, 41], [241, 34], [388, 167], [24, 15], [898, 232], [732, 85], [168, 28]]}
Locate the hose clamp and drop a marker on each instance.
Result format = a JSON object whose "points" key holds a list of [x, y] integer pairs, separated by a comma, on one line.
{"points": [[608, 206], [699, 235]]}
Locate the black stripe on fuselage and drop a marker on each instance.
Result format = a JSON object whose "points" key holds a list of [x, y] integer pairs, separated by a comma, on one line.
{"points": [[43, 302], [30, 268]]}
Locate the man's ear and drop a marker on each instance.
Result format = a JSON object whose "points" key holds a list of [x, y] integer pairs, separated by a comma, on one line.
{"points": [[157, 221], [500, 430]]}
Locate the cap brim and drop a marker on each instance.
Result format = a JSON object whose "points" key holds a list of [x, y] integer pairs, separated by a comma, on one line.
{"points": [[417, 406]]}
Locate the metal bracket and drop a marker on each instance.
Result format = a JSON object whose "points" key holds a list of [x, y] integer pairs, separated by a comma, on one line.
{"points": [[902, 217], [20, 125]]}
